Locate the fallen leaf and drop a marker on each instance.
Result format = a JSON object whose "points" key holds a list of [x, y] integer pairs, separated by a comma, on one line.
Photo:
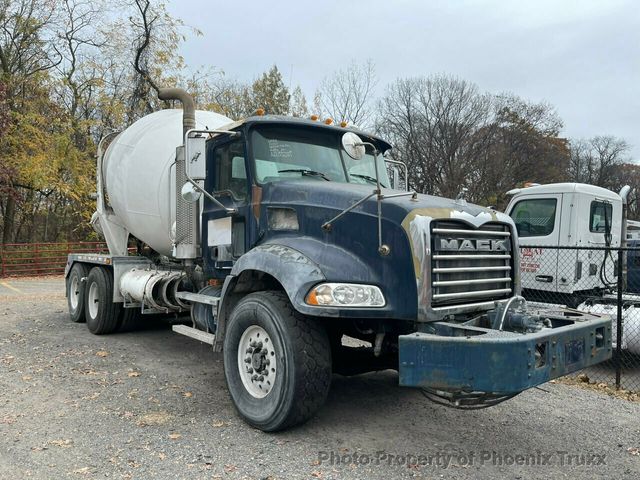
{"points": [[316, 474], [634, 451], [133, 374], [187, 394], [102, 353], [230, 468], [26, 377], [218, 423], [153, 418], [82, 471], [174, 436], [61, 443], [162, 456]]}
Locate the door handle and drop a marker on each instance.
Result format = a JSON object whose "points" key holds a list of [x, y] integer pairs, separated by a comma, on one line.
{"points": [[544, 278]]}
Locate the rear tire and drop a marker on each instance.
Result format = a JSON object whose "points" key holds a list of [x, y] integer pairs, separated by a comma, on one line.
{"points": [[277, 363], [102, 314], [75, 291], [129, 320]]}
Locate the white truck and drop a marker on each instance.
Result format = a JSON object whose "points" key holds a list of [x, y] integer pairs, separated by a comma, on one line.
{"points": [[567, 215], [577, 215]]}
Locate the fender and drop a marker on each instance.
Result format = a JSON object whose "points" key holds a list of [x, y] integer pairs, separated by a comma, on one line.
{"points": [[292, 269]]}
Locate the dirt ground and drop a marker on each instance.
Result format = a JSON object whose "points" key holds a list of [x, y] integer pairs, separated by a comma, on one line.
{"points": [[153, 404]]}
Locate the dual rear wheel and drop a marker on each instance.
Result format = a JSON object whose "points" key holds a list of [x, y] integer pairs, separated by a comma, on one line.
{"points": [[90, 300]]}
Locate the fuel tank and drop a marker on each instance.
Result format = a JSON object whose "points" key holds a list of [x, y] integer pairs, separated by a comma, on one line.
{"points": [[138, 169]]}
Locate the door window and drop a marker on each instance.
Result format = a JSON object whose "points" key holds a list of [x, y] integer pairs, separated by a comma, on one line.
{"points": [[600, 216], [535, 217], [230, 172]]}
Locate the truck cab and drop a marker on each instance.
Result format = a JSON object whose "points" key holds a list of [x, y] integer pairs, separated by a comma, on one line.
{"points": [[566, 215]]}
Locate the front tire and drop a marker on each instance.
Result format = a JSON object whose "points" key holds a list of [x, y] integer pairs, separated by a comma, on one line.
{"points": [[277, 363], [75, 291], [103, 316]]}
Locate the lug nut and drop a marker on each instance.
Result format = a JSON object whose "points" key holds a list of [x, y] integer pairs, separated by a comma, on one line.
{"points": [[249, 350], [247, 360], [260, 378]]}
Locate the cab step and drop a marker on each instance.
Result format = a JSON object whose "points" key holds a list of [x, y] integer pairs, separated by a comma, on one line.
{"points": [[195, 333]]}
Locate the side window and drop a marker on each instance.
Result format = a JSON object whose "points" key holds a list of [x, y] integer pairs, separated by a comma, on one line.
{"points": [[599, 216], [535, 217], [229, 168]]}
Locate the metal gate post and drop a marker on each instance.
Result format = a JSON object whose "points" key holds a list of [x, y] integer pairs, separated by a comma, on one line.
{"points": [[619, 320]]}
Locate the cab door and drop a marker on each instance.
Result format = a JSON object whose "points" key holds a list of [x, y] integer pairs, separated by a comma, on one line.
{"points": [[537, 219], [224, 235]]}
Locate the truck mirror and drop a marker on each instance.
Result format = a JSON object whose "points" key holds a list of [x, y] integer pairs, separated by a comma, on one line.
{"points": [[189, 193], [353, 145], [196, 165]]}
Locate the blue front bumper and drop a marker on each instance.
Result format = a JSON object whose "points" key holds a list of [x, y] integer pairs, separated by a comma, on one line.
{"points": [[459, 358]]}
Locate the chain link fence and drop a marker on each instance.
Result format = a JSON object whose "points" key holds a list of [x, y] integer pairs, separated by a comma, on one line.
{"points": [[598, 280]]}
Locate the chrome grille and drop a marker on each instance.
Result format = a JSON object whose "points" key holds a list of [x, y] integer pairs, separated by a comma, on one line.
{"points": [[470, 264]]}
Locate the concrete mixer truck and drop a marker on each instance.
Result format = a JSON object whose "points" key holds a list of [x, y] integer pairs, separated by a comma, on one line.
{"points": [[278, 239]]}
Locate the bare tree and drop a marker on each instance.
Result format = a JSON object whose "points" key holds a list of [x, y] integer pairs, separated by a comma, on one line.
{"points": [[347, 94], [437, 125], [80, 39], [596, 160], [25, 46]]}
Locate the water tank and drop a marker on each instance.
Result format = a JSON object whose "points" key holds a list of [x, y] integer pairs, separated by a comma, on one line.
{"points": [[139, 174]]}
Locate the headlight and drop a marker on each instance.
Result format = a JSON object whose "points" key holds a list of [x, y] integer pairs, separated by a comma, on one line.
{"points": [[345, 295]]}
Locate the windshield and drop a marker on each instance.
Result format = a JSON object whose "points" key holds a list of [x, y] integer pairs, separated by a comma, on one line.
{"points": [[282, 153]]}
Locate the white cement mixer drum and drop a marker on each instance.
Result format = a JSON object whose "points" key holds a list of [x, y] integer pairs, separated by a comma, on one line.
{"points": [[139, 174]]}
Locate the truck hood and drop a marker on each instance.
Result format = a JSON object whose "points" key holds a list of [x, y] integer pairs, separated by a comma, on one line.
{"points": [[339, 196]]}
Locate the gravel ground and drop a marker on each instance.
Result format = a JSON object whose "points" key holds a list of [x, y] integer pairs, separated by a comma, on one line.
{"points": [[153, 404]]}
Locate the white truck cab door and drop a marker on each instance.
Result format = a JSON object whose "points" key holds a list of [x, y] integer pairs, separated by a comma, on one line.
{"points": [[537, 219]]}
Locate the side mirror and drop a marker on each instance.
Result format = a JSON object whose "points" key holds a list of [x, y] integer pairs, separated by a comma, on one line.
{"points": [[196, 164], [189, 193], [352, 144]]}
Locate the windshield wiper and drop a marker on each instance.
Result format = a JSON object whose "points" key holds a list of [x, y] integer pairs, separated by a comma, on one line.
{"points": [[304, 172], [367, 178]]}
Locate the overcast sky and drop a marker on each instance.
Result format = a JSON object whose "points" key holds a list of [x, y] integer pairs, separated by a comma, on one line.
{"points": [[581, 56]]}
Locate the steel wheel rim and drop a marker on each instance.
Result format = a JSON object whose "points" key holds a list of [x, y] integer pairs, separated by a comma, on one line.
{"points": [[74, 292], [94, 300], [257, 364]]}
